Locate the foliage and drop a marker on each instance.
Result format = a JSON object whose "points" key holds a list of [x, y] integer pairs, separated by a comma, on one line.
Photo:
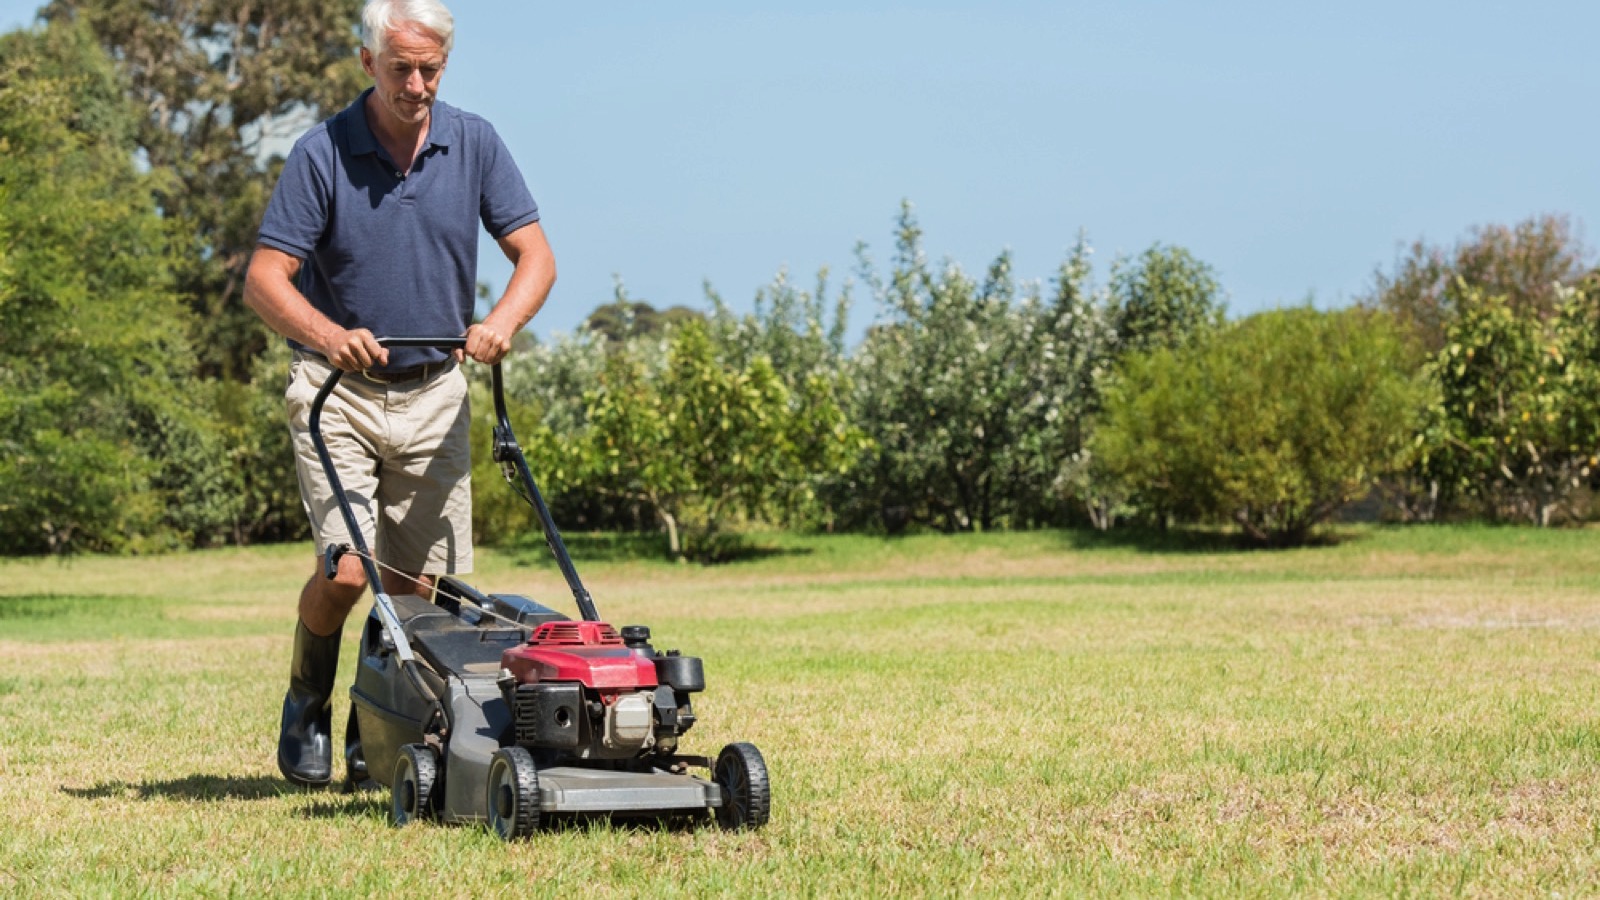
{"points": [[260, 456], [625, 318], [221, 86], [552, 390], [1163, 298], [792, 328], [1516, 426], [546, 384], [1273, 422], [695, 440], [802, 336], [1526, 264], [968, 406], [972, 394], [93, 399]]}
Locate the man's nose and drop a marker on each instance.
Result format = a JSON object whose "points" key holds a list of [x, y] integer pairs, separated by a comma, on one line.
{"points": [[415, 82]]}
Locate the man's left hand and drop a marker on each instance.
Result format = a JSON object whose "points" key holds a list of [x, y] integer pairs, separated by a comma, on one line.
{"points": [[486, 344]]}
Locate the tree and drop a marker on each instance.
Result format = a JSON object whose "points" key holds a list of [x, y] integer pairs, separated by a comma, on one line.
{"points": [[791, 327], [1527, 264], [697, 441], [801, 334], [1162, 298], [93, 387], [221, 86], [546, 383], [1081, 357], [1515, 427], [624, 317], [1272, 423], [973, 393]]}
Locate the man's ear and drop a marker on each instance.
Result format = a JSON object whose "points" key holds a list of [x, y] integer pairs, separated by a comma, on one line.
{"points": [[367, 62]]}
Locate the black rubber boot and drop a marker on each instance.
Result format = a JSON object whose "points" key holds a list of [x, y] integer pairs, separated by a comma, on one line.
{"points": [[305, 742]]}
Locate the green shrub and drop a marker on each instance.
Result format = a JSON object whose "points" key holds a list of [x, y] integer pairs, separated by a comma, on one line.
{"points": [[1273, 423]]}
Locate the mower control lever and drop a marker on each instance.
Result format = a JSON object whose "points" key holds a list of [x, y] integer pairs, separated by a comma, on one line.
{"points": [[504, 449], [330, 559]]}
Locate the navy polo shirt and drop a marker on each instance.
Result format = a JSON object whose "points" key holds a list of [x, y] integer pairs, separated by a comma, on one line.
{"points": [[395, 254]]}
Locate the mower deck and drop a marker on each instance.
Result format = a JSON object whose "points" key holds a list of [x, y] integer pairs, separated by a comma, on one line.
{"points": [[574, 789]]}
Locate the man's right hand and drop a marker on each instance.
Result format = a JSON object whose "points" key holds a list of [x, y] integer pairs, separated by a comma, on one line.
{"points": [[354, 350]]}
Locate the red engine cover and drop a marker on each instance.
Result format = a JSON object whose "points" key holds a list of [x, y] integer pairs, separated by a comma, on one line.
{"points": [[591, 653]]}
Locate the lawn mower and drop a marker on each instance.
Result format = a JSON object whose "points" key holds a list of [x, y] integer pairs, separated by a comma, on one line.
{"points": [[493, 708]]}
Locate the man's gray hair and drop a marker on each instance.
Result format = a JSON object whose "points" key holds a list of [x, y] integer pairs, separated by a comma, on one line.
{"points": [[383, 16]]}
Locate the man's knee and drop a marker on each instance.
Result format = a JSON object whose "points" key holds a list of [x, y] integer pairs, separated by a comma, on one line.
{"points": [[341, 592]]}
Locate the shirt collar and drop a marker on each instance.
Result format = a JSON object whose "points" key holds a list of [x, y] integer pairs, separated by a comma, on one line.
{"points": [[443, 127]]}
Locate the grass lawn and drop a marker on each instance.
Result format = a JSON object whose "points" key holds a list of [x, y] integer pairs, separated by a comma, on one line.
{"points": [[1405, 712]]}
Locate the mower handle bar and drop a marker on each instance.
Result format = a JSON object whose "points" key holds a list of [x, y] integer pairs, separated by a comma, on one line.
{"points": [[439, 343], [509, 455], [506, 452]]}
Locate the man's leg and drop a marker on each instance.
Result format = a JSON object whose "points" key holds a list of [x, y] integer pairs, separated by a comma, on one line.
{"points": [[407, 583], [351, 424], [305, 739], [325, 604]]}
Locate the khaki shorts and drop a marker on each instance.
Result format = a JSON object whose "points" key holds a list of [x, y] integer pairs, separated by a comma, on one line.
{"points": [[403, 456]]}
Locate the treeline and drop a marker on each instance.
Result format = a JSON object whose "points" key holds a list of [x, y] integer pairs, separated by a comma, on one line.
{"points": [[1462, 387], [140, 404]]}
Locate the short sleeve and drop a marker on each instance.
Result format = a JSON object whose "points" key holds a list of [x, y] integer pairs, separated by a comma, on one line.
{"points": [[297, 215], [505, 203]]}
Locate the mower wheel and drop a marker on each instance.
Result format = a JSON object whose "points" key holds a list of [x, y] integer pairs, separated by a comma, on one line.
{"points": [[513, 794], [746, 793], [416, 771]]}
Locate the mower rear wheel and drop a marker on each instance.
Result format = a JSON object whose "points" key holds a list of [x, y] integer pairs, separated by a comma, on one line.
{"points": [[415, 773], [513, 799], [741, 773]]}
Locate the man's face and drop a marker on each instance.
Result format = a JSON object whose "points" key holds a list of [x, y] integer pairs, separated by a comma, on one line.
{"points": [[406, 75]]}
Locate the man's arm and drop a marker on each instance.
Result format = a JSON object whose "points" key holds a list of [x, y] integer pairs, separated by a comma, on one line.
{"points": [[269, 290], [534, 274]]}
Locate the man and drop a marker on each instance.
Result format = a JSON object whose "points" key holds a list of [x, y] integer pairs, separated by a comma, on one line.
{"points": [[373, 230]]}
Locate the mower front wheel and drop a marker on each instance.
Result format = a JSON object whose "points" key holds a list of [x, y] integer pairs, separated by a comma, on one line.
{"points": [[741, 773], [513, 794], [415, 773]]}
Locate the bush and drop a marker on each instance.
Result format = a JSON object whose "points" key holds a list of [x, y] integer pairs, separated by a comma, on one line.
{"points": [[1272, 423], [1515, 428]]}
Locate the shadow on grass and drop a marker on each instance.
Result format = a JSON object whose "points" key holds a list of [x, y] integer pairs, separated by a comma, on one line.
{"points": [[215, 788], [332, 804], [744, 552], [1184, 540], [376, 803], [192, 787], [530, 549]]}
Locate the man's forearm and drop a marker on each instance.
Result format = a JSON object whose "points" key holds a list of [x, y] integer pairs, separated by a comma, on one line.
{"points": [[269, 290], [532, 276]]}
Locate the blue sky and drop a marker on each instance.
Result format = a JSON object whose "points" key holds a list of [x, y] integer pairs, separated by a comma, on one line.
{"points": [[1294, 147]]}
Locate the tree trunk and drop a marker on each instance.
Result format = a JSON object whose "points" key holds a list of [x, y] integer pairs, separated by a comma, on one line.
{"points": [[674, 545]]}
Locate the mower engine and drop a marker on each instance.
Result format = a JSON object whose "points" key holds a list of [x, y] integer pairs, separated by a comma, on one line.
{"points": [[581, 690]]}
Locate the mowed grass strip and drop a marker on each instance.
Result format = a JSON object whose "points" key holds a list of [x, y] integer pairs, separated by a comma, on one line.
{"points": [[1404, 712]]}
